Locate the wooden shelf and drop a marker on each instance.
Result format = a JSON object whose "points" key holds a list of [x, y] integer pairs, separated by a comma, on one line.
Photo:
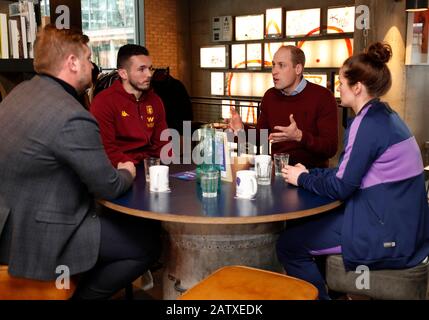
{"points": [[16, 65]]}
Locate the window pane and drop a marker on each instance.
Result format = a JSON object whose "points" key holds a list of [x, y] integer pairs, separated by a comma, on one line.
{"points": [[109, 24], [44, 7]]}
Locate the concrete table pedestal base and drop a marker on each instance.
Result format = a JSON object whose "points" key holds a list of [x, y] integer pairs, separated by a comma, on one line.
{"points": [[193, 251]]}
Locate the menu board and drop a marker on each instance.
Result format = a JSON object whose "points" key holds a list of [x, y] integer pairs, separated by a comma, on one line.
{"points": [[213, 57], [302, 22], [249, 27], [341, 19]]}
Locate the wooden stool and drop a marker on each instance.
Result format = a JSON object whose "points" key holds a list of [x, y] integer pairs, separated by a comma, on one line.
{"points": [[400, 284], [244, 283], [12, 288]]}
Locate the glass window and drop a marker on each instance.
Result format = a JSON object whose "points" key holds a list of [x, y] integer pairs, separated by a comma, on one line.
{"points": [[109, 24], [44, 7]]}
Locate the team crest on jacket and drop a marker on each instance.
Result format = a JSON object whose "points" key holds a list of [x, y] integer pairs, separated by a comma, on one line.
{"points": [[149, 109], [150, 122], [124, 114]]}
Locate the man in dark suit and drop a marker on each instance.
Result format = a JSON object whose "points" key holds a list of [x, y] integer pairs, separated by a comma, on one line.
{"points": [[177, 104], [52, 166]]}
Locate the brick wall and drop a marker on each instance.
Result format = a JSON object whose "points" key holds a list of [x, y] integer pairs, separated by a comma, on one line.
{"points": [[162, 33]]}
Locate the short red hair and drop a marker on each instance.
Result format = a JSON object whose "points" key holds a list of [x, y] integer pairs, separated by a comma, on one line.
{"points": [[54, 45]]}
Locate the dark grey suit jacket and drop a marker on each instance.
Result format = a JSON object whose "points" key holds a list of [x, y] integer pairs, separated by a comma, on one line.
{"points": [[52, 165]]}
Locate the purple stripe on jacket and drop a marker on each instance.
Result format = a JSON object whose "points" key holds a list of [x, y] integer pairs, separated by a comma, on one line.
{"points": [[352, 137], [323, 252], [400, 161]]}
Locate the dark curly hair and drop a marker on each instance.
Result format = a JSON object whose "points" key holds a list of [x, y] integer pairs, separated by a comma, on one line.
{"points": [[370, 69]]}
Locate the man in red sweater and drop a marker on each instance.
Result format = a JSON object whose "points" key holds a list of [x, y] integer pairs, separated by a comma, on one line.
{"points": [[300, 116], [130, 114]]}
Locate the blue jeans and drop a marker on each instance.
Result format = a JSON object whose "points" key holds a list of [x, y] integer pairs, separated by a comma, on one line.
{"points": [[297, 247]]}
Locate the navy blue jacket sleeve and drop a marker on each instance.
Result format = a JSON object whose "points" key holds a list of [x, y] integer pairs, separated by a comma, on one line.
{"points": [[361, 151], [318, 172]]}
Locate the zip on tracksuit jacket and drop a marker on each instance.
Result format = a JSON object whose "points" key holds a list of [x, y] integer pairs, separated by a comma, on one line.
{"points": [[130, 128], [380, 178]]}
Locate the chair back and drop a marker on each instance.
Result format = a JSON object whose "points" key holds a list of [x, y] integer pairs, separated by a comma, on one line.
{"points": [[245, 283]]}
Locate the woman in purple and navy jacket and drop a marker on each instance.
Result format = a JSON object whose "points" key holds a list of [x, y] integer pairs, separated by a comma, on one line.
{"points": [[384, 222]]}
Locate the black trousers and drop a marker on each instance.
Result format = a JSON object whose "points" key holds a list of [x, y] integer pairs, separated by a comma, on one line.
{"points": [[128, 247]]}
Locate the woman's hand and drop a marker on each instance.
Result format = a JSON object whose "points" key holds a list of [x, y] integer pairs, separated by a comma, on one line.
{"points": [[291, 174]]}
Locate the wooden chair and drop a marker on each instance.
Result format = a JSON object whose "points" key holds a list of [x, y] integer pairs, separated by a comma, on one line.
{"points": [[244, 283], [12, 288]]}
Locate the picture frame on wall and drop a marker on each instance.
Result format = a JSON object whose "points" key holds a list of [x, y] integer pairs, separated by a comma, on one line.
{"points": [[341, 19], [238, 56], [274, 23], [320, 79], [227, 105], [248, 84], [336, 80], [254, 55], [213, 57], [249, 27], [326, 53], [300, 23], [248, 112], [217, 82], [222, 28]]}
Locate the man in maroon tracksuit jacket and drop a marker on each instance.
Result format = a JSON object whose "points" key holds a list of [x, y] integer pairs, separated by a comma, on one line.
{"points": [[300, 116], [130, 114]]}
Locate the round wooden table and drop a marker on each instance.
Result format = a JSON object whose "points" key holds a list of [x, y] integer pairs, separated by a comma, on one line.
{"points": [[205, 234]]}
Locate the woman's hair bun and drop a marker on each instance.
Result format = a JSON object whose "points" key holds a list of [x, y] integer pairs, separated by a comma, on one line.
{"points": [[380, 52]]}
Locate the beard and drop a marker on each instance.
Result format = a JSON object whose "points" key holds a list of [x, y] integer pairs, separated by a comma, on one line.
{"points": [[139, 87]]}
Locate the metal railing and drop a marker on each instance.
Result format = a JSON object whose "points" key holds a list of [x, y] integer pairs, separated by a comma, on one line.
{"points": [[216, 109]]}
